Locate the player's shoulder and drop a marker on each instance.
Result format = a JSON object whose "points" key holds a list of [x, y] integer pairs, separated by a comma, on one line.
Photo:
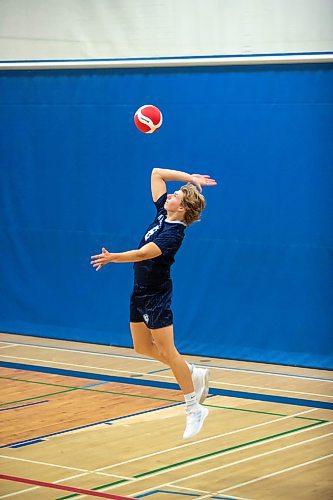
{"points": [[159, 203]]}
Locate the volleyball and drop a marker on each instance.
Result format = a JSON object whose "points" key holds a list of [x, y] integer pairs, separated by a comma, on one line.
{"points": [[148, 119]]}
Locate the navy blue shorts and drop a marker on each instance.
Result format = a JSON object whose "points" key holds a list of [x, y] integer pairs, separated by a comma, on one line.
{"points": [[152, 306]]}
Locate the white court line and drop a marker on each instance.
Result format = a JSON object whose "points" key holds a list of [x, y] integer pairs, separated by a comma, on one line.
{"points": [[200, 491], [169, 485], [208, 439], [193, 443], [275, 473], [98, 471], [5, 346], [254, 457], [150, 360], [270, 389], [62, 467], [204, 440], [183, 488], [162, 376], [73, 364]]}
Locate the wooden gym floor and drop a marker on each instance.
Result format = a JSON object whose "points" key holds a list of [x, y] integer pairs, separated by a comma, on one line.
{"points": [[83, 420]]}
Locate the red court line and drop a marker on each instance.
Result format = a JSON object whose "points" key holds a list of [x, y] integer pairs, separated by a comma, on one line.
{"points": [[61, 487]]}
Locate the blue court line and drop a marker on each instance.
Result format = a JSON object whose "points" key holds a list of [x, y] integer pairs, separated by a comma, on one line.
{"points": [[178, 493], [167, 385], [39, 439], [157, 371], [198, 364], [94, 385], [165, 491], [25, 443], [23, 406]]}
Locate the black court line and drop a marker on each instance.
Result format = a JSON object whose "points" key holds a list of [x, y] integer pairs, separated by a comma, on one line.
{"points": [[168, 385]]}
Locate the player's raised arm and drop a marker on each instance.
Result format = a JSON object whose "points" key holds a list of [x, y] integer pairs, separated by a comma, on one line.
{"points": [[160, 176]]}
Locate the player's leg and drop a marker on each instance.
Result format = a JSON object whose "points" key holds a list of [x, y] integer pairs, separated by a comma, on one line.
{"points": [[195, 413], [143, 342], [164, 341]]}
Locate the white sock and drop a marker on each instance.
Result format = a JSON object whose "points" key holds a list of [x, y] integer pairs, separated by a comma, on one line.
{"points": [[190, 367], [191, 400]]}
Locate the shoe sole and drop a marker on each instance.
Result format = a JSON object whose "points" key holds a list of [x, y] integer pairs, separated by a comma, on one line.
{"points": [[205, 413], [206, 388]]}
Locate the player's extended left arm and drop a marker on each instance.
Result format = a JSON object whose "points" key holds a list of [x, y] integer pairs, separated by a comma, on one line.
{"points": [[148, 251], [176, 175]]}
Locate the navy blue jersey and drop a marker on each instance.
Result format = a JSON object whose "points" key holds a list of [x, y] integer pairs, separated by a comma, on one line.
{"points": [[168, 236]]}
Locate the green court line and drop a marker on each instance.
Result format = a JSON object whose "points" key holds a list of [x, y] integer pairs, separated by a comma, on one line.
{"points": [[38, 397], [154, 397], [70, 388], [96, 488], [264, 412], [226, 449], [35, 382], [93, 390], [195, 459]]}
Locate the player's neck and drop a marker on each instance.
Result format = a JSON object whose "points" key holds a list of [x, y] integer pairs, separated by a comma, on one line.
{"points": [[174, 216]]}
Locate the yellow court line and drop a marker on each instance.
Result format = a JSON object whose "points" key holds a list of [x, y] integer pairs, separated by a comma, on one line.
{"points": [[254, 457], [164, 376]]}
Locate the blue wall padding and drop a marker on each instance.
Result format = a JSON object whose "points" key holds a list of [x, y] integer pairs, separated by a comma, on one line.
{"points": [[252, 281]]}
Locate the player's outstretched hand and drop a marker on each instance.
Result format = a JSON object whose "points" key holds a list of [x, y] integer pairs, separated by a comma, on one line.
{"points": [[98, 261], [202, 180]]}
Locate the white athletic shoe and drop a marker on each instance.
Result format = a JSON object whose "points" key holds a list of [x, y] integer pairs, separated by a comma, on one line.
{"points": [[200, 382], [194, 420]]}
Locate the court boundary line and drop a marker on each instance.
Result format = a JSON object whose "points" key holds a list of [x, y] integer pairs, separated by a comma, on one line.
{"points": [[276, 473], [168, 385], [204, 440], [275, 420], [152, 374], [231, 464], [139, 374], [54, 482], [26, 442], [226, 451], [37, 397], [98, 471], [34, 440], [62, 487], [151, 397], [237, 462], [24, 406], [154, 361]]}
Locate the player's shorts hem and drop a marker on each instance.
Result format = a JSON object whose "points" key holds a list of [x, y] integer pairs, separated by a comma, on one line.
{"points": [[159, 327]]}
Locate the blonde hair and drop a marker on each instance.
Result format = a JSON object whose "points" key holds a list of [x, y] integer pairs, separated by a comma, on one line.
{"points": [[193, 202]]}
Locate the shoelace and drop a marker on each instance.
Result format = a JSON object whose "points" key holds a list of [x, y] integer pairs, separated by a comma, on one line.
{"points": [[191, 414]]}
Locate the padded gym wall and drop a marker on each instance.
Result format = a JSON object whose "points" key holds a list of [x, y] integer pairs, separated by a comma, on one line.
{"points": [[253, 280]]}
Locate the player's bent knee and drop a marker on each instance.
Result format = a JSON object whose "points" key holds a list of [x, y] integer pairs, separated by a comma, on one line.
{"points": [[166, 354], [142, 349]]}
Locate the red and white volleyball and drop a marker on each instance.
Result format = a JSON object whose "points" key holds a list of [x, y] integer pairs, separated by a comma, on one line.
{"points": [[148, 119]]}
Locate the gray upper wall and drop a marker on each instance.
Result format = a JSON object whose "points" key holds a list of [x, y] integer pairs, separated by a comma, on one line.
{"points": [[106, 29]]}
